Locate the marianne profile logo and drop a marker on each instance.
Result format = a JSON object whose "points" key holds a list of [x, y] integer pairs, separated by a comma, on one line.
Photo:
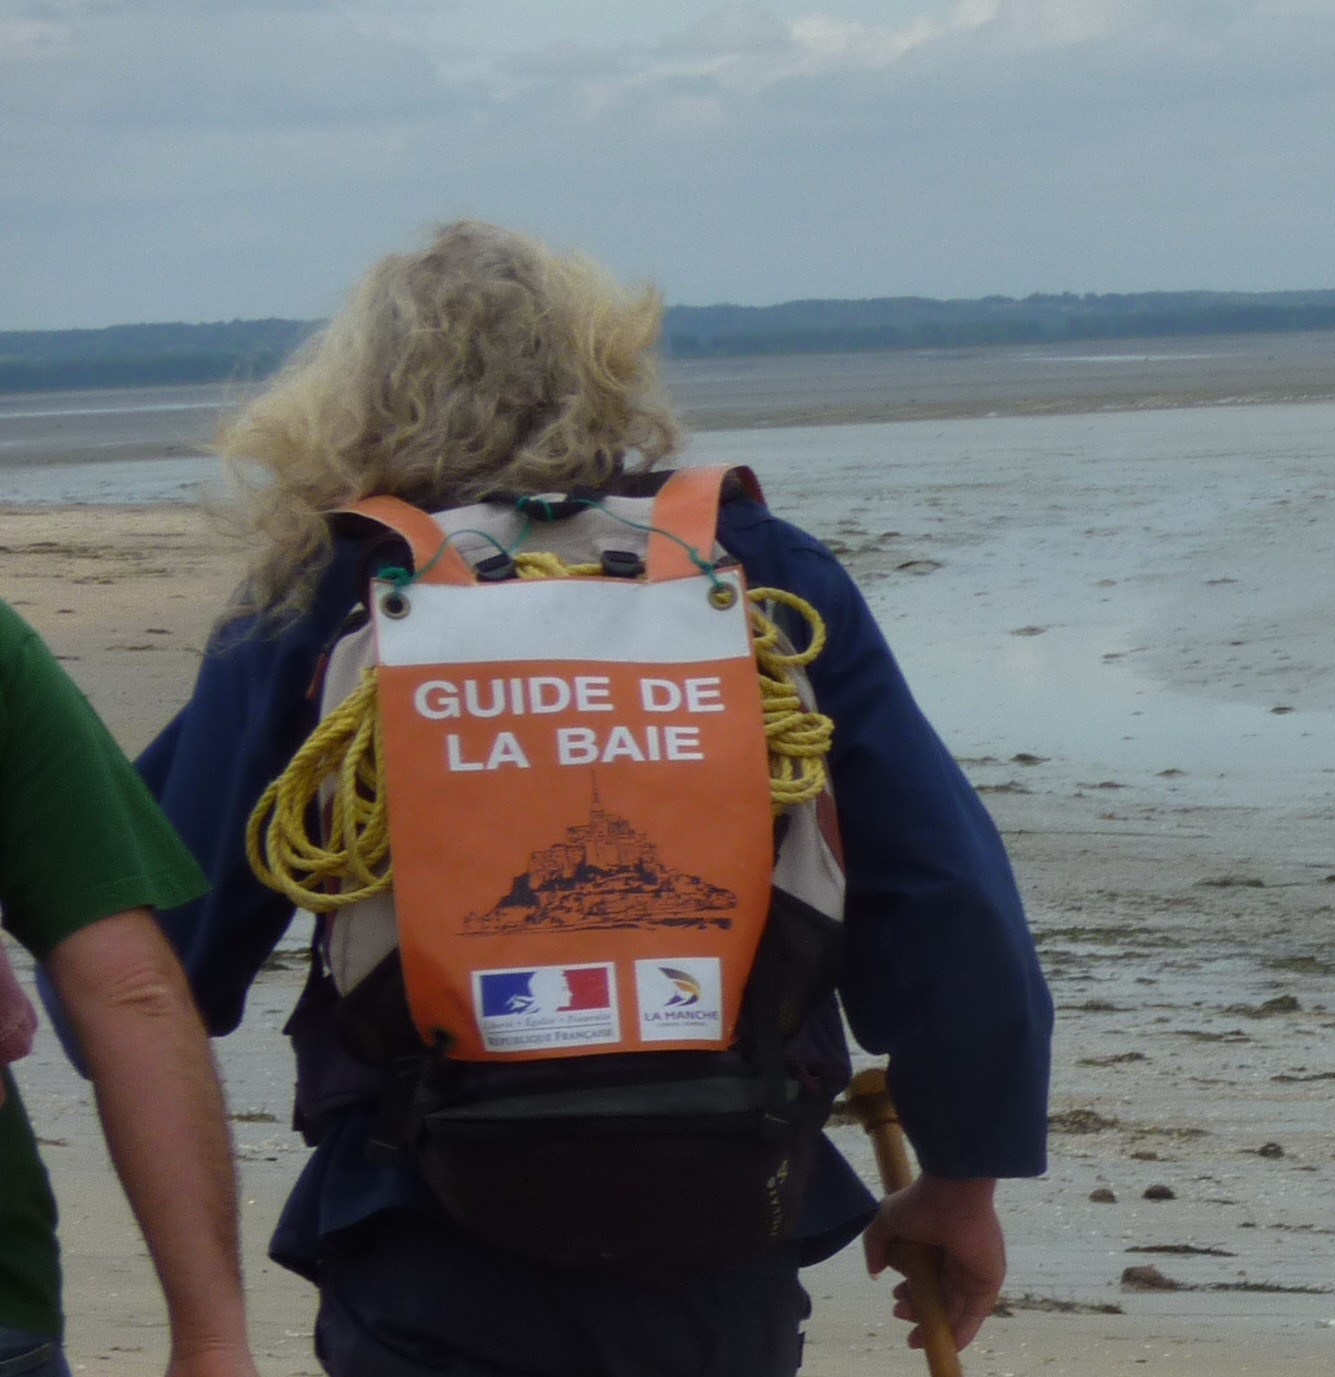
{"points": [[680, 999], [534, 1007]]}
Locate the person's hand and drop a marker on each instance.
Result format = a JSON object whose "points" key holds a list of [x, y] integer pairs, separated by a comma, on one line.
{"points": [[220, 1361], [959, 1220]]}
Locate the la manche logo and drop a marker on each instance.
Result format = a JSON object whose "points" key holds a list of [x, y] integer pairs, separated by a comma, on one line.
{"points": [[679, 1006]]}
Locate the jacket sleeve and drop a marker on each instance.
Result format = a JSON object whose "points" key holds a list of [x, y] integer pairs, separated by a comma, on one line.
{"points": [[248, 713], [942, 975]]}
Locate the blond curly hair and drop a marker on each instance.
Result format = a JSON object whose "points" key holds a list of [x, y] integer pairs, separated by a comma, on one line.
{"points": [[483, 362]]}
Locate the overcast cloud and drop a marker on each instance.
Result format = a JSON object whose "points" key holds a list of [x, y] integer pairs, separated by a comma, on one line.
{"points": [[209, 159]]}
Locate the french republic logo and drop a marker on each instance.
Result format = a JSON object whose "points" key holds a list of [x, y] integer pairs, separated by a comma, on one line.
{"points": [[522, 1010], [680, 1000]]}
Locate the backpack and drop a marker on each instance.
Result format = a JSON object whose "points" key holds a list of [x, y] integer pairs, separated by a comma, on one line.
{"points": [[599, 973]]}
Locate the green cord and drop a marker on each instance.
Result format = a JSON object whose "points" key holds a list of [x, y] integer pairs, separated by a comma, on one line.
{"points": [[705, 566], [401, 577], [522, 504]]}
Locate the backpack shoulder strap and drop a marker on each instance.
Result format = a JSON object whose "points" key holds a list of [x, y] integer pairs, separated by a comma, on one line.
{"points": [[434, 558], [685, 520]]}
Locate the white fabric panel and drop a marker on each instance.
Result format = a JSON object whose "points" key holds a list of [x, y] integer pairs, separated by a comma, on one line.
{"points": [[575, 619]]}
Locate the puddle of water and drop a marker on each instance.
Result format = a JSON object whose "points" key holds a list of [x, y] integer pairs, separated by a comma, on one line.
{"points": [[1054, 695], [1057, 546]]}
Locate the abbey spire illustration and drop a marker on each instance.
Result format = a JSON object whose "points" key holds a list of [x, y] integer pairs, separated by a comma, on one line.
{"points": [[603, 873]]}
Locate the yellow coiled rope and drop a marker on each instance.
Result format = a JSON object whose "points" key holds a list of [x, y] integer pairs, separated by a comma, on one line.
{"points": [[347, 748], [798, 739]]}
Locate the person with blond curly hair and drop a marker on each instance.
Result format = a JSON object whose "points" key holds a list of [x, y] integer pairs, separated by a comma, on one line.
{"points": [[484, 363], [487, 368]]}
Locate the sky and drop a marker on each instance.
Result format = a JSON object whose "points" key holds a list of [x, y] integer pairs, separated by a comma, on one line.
{"points": [[221, 159]]}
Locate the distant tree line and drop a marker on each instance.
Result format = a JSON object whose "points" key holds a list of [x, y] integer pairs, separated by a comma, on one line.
{"points": [[145, 355], [923, 323], [245, 350]]}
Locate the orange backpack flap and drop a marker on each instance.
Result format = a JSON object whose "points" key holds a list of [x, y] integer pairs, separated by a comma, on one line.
{"points": [[578, 799]]}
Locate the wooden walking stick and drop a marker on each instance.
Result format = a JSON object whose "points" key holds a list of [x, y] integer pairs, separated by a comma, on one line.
{"points": [[871, 1104]]}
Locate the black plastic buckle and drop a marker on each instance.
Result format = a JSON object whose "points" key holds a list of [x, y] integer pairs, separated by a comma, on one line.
{"points": [[622, 564], [495, 569]]}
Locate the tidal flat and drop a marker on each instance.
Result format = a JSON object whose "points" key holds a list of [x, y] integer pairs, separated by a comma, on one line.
{"points": [[1121, 621]]}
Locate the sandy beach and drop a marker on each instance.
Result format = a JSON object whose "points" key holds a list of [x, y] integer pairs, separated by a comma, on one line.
{"points": [[1178, 862]]}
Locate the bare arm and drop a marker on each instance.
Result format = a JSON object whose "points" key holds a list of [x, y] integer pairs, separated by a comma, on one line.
{"points": [[959, 1218], [162, 1111]]}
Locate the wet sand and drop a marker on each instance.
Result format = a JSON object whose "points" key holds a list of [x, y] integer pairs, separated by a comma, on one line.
{"points": [[1183, 908]]}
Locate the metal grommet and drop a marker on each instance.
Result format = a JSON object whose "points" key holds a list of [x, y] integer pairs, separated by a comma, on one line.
{"points": [[394, 604], [722, 596]]}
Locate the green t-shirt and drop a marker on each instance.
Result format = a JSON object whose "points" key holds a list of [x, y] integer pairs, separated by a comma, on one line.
{"points": [[80, 839], [29, 1262]]}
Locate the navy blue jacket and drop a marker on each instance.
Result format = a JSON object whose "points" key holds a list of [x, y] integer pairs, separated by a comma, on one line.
{"points": [[941, 973]]}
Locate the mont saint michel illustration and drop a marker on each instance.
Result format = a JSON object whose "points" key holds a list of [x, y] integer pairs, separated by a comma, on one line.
{"points": [[605, 874]]}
